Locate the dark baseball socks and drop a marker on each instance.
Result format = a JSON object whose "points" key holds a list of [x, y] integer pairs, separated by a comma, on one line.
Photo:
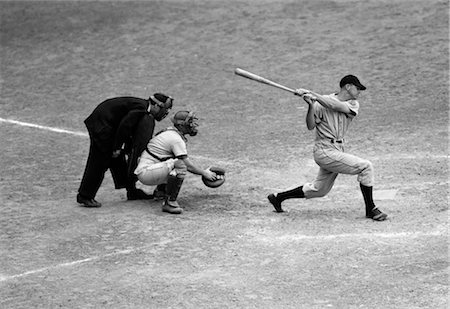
{"points": [[371, 210], [367, 193], [294, 193]]}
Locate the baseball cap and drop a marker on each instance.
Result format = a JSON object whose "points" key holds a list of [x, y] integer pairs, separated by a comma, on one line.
{"points": [[162, 100], [353, 80]]}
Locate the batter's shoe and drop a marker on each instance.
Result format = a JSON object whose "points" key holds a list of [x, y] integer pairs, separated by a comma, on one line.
{"points": [[88, 202], [138, 194], [172, 207], [376, 214], [275, 203]]}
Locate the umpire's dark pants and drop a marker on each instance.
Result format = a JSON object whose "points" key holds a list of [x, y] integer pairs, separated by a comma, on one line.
{"points": [[98, 162]]}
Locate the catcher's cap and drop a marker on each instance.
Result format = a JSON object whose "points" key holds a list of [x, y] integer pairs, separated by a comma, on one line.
{"points": [[353, 80], [183, 117], [186, 120]]}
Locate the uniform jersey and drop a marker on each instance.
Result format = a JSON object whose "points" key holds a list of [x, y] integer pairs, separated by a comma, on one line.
{"points": [[331, 124], [168, 144]]}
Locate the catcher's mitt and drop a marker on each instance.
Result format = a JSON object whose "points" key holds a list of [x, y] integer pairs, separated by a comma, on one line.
{"points": [[220, 172]]}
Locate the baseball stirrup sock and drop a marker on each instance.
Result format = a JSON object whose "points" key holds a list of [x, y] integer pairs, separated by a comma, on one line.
{"points": [[294, 193], [367, 193]]}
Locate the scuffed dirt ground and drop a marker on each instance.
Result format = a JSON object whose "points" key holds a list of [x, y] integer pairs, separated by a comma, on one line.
{"points": [[228, 250]]}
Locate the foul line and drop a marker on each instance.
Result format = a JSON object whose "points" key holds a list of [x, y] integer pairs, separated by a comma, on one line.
{"points": [[78, 262], [32, 125], [82, 134]]}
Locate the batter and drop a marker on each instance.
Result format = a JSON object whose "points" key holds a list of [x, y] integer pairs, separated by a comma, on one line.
{"points": [[331, 116]]}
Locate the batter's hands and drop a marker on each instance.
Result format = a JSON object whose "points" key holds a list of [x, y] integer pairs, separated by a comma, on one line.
{"points": [[301, 92], [309, 98]]}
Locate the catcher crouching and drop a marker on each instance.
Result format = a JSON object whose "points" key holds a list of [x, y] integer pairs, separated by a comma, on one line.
{"points": [[165, 162]]}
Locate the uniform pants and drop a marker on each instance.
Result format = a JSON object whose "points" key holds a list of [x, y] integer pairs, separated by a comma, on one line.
{"points": [[141, 136], [97, 164], [332, 161]]}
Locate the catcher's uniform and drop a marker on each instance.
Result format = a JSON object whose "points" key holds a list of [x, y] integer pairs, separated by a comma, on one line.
{"points": [[160, 158], [329, 154]]}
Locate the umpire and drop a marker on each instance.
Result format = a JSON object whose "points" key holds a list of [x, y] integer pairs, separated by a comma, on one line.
{"points": [[119, 130]]}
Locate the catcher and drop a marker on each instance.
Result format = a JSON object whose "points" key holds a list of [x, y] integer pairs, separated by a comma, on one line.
{"points": [[165, 161]]}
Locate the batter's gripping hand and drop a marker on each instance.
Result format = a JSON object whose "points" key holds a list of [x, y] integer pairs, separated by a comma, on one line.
{"points": [[309, 98], [301, 92]]}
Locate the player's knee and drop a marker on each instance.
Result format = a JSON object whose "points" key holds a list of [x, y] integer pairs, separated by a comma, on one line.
{"points": [[365, 167], [366, 176], [314, 190]]}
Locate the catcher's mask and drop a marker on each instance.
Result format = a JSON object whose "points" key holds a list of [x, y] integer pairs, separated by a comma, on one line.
{"points": [[164, 102], [187, 121]]}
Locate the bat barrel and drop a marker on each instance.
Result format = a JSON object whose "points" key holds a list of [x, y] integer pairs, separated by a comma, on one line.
{"points": [[261, 79]]}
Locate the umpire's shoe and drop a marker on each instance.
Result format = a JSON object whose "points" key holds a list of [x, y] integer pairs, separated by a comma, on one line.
{"points": [[376, 214], [87, 202], [275, 203], [138, 194]]}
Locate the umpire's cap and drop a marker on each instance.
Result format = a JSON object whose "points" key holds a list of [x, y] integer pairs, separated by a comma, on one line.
{"points": [[353, 80], [162, 100]]}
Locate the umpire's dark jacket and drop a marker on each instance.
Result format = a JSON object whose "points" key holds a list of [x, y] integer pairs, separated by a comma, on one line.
{"points": [[114, 121]]}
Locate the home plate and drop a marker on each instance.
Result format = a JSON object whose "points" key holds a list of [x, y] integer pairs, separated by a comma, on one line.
{"points": [[384, 194]]}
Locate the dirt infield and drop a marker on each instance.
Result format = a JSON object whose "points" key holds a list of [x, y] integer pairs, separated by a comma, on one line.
{"points": [[228, 249]]}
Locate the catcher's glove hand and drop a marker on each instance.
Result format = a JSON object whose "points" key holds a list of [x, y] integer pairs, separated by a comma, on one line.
{"points": [[220, 177]]}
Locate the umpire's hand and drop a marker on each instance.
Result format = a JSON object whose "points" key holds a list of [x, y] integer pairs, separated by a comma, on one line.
{"points": [[116, 153]]}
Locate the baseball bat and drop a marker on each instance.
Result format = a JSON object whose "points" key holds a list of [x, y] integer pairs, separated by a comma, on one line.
{"points": [[262, 80]]}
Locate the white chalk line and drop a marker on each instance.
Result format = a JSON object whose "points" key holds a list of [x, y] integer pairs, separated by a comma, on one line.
{"points": [[78, 133], [52, 129], [290, 238], [284, 238], [82, 261]]}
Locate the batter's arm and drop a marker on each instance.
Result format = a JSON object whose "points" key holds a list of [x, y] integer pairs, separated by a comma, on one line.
{"points": [[330, 103], [310, 121]]}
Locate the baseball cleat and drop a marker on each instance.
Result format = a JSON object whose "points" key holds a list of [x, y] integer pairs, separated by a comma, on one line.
{"points": [[172, 207], [275, 203], [377, 215], [88, 202]]}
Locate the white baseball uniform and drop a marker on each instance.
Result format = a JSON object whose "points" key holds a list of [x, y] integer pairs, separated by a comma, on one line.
{"points": [[329, 154], [160, 158]]}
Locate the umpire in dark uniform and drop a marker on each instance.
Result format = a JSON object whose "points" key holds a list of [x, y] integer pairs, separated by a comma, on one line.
{"points": [[119, 130]]}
